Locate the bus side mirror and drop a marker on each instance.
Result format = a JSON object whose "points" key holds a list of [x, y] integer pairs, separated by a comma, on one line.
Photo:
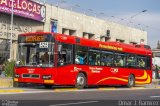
{"points": [[17, 63], [59, 48]]}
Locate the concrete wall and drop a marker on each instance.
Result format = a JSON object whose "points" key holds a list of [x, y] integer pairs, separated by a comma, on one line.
{"points": [[83, 23], [20, 25]]}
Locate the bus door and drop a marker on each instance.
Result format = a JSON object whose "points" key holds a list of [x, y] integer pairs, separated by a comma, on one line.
{"points": [[65, 74]]}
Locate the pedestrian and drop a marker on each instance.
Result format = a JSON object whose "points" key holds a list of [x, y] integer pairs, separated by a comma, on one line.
{"points": [[156, 71], [3, 70]]}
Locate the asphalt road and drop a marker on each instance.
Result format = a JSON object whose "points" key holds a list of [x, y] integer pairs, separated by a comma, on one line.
{"points": [[86, 97]]}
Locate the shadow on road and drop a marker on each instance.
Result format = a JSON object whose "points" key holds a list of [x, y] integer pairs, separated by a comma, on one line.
{"points": [[39, 86]]}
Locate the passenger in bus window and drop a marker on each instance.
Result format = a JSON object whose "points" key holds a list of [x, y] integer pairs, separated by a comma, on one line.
{"points": [[60, 59], [98, 60], [130, 61], [120, 62], [141, 63], [77, 59], [108, 60], [91, 60], [35, 58], [81, 59], [103, 60]]}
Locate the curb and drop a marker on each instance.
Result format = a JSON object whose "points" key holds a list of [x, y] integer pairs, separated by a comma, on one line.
{"points": [[66, 89], [11, 91]]}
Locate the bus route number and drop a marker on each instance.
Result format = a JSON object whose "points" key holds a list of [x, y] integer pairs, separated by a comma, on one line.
{"points": [[43, 45]]}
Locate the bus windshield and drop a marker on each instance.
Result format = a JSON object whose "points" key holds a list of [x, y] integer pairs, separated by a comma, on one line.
{"points": [[35, 53]]}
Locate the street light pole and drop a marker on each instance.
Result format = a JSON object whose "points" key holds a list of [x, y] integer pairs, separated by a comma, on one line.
{"points": [[130, 21], [10, 57], [139, 13]]}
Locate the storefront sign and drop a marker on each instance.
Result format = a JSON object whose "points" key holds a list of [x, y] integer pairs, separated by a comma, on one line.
{"points": [[5, 30], [24, 8]]}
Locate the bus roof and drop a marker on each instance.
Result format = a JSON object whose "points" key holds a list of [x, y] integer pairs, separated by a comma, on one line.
{"points": [[35, 33], [113, 46]]}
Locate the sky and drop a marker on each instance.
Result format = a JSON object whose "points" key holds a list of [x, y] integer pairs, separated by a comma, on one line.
{"points": [[126, 12]]}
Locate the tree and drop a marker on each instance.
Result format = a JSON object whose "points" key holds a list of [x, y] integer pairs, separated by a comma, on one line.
{"points": [[9, 68]]}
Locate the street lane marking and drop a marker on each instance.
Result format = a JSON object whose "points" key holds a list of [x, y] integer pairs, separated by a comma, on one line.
{"points": [[155, 96], [77, 103]]}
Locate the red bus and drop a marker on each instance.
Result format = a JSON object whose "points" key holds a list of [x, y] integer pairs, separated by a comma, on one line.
{"points": [[58, 59]]}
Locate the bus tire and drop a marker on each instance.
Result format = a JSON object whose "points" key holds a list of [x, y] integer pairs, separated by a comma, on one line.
{"points": [[131, 81], [47, 86], [81, 81]]}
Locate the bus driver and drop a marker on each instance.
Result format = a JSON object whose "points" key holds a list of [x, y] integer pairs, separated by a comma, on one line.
{"points": [[45, 58]]}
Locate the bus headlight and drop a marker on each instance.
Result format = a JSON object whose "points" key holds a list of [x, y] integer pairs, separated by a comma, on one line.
{"points": [[46, 76], [17, 76]]}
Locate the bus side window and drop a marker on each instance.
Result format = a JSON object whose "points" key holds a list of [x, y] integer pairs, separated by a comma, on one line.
{"points": [[81, 55], [148, 65], [106, 58], [119, 60], [131, 61], [141, 62], [94, 57]]}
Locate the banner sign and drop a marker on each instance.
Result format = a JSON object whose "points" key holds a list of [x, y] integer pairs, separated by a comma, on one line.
{"points": [[54, 26], [24, 8]]}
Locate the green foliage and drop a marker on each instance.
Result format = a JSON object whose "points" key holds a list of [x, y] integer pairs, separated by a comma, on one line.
{"points": [[9, 68]]}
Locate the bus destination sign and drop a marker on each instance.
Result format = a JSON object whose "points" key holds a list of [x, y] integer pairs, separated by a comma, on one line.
{"points": [[35, 38]]}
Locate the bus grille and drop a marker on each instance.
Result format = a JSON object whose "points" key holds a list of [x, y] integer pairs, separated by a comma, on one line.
{"points": [[30, 76]]}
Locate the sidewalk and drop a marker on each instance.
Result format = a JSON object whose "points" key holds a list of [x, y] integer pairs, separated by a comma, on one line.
{"points": [[155, 84], [6, 82]]}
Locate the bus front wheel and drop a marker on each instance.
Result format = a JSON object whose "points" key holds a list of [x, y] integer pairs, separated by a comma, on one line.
{"points": [[131, 81], [81, 81]]}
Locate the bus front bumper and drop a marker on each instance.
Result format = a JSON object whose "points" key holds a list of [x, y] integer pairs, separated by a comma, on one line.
{"points": [[51, 81]]}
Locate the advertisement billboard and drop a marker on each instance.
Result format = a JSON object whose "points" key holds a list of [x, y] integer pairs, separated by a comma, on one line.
{"points": [[54, 26], [24, 8]]}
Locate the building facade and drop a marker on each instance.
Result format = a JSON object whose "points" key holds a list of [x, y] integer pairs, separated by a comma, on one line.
{"points": [[54, 19], [156, 51]]}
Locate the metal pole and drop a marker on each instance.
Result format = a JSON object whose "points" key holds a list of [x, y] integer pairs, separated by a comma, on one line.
{"points": [[130, 21], [11, 32]]}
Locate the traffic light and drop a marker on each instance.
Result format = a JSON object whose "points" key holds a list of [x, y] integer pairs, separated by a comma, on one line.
{"points": [[108, 33]]}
